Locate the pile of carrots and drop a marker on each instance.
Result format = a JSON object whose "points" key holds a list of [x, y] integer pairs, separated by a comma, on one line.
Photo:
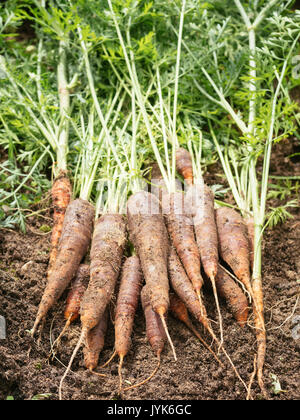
{"points": [[180, 242]]}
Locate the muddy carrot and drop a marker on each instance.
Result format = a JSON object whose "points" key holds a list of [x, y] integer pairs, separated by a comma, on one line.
{"points": [[200, 206], [200, 203], [107, 249], [94, 344], [260, 330], [127, 302], [180, 229], [61, 195], [236, 300], [234, 244], [155, 332], [181, 232], [149, 235], [185, 291], [184, 165], [74, 242], [76, 292], [74, 297]]}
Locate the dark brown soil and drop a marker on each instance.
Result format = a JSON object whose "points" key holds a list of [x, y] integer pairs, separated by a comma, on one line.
{"points": [[26, 370]]}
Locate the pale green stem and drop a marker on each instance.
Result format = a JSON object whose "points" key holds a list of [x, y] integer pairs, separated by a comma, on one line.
{"points": [[39, 63], [38, 71], [227, 170], [162, 124], [140, 99], [251, 133], [89, 177], [64, 107], [175, 143], [225, 104], [95, 98], [259, 206]]}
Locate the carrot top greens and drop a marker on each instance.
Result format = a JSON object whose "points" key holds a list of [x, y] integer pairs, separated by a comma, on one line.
{"points": [[191, 70]]}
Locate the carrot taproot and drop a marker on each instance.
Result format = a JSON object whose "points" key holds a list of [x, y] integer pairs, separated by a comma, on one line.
{"points": [[127, 302], [76, 292], [61, 192], [179, 311], [108, 242], [258, 310], [155, 332], [234, 244], [74, 297], [74, 243], [200, 205], [107, 249], [154, 328], [149, 235], [185, 291], [235, 298], [182, 235], [260, 331], [94, 344], [180, 228], [184, 165]]}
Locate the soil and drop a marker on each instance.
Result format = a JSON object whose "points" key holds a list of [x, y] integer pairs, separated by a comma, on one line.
{"points": [[27, 372]]}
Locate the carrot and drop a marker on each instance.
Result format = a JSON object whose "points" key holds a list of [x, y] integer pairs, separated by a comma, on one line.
{"points": [[258, 310], [185, 291], [180, 229], [200, 204], [149, 235], [74, 242], [127, 302], [61, 195], [94, 344], [74, 297], [235, 298], [179, 311], [107, 249], [260, 331], [76, 293], [234, 244], [184, 165], [181, 232], [155, 331]]}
